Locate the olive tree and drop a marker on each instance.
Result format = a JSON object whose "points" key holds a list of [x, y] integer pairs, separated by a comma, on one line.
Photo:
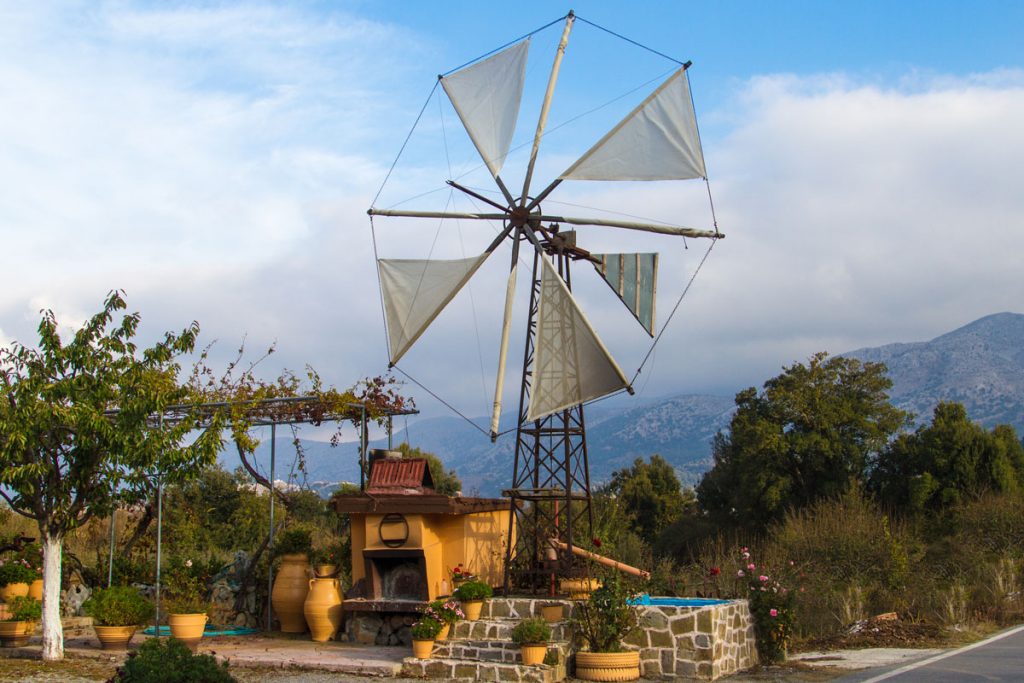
{"points": [[79, 432]]}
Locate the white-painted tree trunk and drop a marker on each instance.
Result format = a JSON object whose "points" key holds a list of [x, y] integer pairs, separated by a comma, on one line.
{"points": [[53, 631]]}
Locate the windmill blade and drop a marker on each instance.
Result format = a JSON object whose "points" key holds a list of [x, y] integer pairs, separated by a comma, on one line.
{"points": [[657, 141], [633, 277], [415, 291], [571, 365], [486, 97]]}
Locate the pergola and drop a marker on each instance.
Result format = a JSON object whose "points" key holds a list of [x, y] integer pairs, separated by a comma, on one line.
{"points": [[270, 412]]}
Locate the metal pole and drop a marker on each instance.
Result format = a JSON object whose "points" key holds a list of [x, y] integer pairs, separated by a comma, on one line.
{"points": [[159, 541], [362, 449], [546, 106], [391, 433], [270, 538], [110, 563]]}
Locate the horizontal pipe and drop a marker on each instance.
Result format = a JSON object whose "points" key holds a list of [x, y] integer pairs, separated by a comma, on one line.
{"points": [[601, 559]]}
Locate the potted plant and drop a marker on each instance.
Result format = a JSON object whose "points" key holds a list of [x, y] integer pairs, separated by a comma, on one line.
{"points": [[186, 601], [291, 585], [532, 636], [471, 595], [23, 613], [327, 559], [15, 577], [424, 632], [117, 612], [603, 621], [32, 554], [461, 576], [447, 612]]}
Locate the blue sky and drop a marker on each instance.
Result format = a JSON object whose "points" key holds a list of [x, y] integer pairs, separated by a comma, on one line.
{"points": [[216, 161]]}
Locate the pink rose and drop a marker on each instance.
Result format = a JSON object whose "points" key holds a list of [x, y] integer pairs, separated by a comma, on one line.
{"points": [[763, 578], [740, 574], [751, 566], [774, 612]]}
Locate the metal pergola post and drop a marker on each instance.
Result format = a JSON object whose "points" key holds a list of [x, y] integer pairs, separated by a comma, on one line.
{"points": [[270, 537]]}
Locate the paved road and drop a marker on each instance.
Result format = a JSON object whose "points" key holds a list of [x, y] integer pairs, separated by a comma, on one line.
{"points": [[999, 658]]}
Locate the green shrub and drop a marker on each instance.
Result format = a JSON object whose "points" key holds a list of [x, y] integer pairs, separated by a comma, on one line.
{"points": [[426, 629], [531, 632], [297, 540], [473, 590], [25, 609], [607, 617], [168, 660], [16, 571], [118, 606]]}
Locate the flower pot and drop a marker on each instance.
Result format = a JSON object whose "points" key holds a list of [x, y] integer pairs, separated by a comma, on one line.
{"points": [[35, 590], [115, 637], [443, 633], [187, 628], [322, 608], [578, 589], [16, 633], [325, 571], [472, 609], [13, 590], [608, 666], [291, 586], [422, 649], [551, 613], [533, 653]]}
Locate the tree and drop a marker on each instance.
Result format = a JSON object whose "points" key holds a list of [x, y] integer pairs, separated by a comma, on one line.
{"points": [[948, 461], [809, 435], [78, 432], [650, 494], [446, 482]]}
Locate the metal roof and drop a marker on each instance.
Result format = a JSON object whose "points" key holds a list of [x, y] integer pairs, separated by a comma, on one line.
{"points": [[410, 476]]}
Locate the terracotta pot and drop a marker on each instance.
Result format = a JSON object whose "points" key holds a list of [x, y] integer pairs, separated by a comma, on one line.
{"points": [[578, 589], [422, 649], [13, 590], [322, 608], [35, 590], [533, 654], [608, 666], [291, 586], [325, 571], [551, 613], [472, 609], [443, 633], [16, 633], [188, 628], [115, 637]]}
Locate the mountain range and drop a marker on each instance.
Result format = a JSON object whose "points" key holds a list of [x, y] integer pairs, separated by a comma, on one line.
{"points": [[980, 365]]}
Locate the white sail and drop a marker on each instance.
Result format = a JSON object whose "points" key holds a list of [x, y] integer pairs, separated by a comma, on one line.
{"points": [[634, 278], [570, 364], [657, 141], [486, 97], [415, 291]]}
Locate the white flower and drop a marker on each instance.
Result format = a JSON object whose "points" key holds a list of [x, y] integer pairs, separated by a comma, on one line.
{"points": [[188, 563]]}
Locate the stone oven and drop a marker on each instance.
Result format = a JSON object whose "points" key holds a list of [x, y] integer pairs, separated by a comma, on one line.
{"points": [[406, 537]]}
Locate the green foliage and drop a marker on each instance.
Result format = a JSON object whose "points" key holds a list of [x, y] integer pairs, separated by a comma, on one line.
{"points": [[650, 494], [607, 617], [531, 632], [951, 460], [473, 590], [24, 608], [16, 571], [445, 611], [293, 541], [446, 482], [426, 629], [168, 660], [185, 583], [333, 553], [771, 604], [809, 435], [64, 457], [118, 606]]}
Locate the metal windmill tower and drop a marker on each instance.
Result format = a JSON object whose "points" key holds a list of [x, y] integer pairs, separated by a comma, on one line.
{"points": [[565, 364]]}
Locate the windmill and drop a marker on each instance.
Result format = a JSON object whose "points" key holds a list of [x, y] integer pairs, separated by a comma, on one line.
{"points": [[565, 363]]}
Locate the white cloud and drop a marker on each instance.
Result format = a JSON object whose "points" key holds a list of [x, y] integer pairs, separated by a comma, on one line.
{"points": [[217, 163]]}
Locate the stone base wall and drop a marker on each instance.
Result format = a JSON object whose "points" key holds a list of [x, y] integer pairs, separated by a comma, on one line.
{"points": [[695, 642], [369, 628]]}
